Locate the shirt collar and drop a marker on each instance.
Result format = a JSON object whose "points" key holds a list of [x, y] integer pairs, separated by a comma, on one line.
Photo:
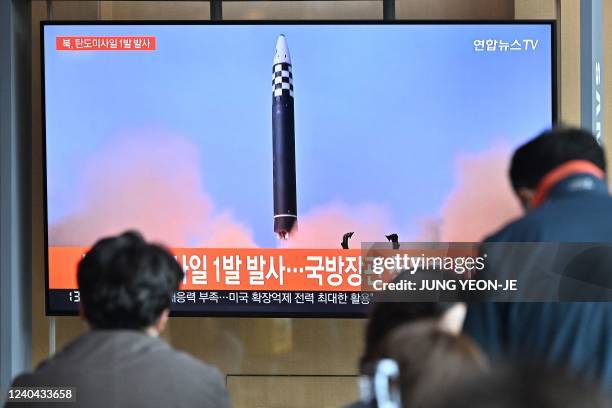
{"points": [[575, 175]]}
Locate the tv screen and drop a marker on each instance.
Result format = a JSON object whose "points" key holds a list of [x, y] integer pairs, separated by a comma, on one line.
{"points": [[264, 154]]}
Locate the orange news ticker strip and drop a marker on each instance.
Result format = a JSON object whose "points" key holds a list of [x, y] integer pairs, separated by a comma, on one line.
{"points": [[343, 276], [63, 263]]}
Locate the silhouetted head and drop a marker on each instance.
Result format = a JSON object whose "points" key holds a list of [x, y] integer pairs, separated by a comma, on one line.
{"points": [[127, 283], [535, 159], [430, 360], [387, 316]]}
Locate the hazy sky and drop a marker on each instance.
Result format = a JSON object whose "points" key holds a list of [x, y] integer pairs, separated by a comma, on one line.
{"points": [[381, 112]]}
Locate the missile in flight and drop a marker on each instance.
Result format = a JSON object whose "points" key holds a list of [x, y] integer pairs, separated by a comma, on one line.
{"points": [[283, 142]]}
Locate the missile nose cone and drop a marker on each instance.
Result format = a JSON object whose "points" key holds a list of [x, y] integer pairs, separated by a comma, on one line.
{"points": [[282, 51]]}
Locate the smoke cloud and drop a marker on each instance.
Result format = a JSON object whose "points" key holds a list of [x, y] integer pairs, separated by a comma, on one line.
{"points": [[156, 190], [160, 192], [482, 200]]}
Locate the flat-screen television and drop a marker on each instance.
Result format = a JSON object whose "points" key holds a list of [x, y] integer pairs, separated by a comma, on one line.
{"points": [[263, 154]]}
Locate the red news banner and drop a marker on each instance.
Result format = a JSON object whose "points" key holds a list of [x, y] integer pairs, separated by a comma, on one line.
{"points": [[241, 269], [105, 43]]}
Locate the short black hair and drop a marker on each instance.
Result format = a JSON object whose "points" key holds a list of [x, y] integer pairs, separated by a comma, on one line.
{"points": [[533, 160], [126, 283]]}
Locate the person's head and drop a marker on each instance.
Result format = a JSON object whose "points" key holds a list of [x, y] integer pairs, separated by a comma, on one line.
{"points": [[127, 283], [523, 387], [535, 159], [430, 360], [386, 316]]}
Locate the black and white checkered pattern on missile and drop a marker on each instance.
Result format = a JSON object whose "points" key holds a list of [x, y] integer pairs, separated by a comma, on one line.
{"points": [[282, 80]]}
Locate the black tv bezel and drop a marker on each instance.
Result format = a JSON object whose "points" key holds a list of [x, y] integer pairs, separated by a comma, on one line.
{"points": [[554, 116]]}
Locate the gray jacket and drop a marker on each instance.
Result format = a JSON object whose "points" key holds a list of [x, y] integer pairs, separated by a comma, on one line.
{"points": [[127, 368]]}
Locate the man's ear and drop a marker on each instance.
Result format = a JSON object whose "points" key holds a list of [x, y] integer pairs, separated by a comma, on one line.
{"points": [[162, 321], [525, 196]]}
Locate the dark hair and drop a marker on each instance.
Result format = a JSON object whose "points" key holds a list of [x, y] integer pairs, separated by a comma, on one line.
{"points": [[386, 316], [430, 360], [126, 283], [523, 386], [533, 160]]}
